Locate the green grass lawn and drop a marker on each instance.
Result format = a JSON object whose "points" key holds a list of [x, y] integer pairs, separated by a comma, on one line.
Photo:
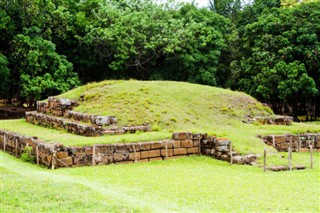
{"points": [[243, 136], [190, 184]]}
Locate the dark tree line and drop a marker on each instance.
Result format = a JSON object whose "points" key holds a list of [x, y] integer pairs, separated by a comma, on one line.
{"points": [[269, 49]]}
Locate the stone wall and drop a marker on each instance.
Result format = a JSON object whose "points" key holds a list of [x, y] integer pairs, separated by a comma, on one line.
{"points": [[298, 143], [221, 149], [274, 120], [63, 107], [58, 155], [56, 106], [14, 144], [80, 128]]}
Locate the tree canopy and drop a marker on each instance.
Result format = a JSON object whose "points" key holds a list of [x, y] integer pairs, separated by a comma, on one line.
{"points": [[269, 49]]}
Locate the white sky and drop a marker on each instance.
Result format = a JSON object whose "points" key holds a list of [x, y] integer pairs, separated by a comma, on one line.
{"points": [[201, 3]]}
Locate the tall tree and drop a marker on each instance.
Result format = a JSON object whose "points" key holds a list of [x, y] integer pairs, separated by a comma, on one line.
{"points": [[283, 45]]}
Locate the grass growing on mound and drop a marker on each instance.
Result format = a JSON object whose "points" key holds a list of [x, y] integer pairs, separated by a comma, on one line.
{"points": [[168, 107], [171, 106], [190, 184]]}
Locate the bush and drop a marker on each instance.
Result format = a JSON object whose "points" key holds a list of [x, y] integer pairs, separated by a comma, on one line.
{"points": [[27, 155]]}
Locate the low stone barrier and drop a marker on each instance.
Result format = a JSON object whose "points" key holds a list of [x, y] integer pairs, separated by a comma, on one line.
{"points": [[276, 120], [298, 143], [80, 128], [221, 149], [57, 155], [56, 106], [14, 144], [63, 107]]}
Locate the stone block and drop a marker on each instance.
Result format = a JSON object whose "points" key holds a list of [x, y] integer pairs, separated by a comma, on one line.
{"points": [[145, 146], [176, 143], [65, 161], [133, 147], [280, 139], [102, 120], [134, 156], [167, 143], [196, 143], [238, 159], [186, 143], [181, 135], [304, 150], [164, 152], [250, 158], [284, 146], [88, 150], [155, 159], [117, 157], [61, 155], [150, 154], [156, 145], [222, 148], [179, 151], [222, 142], [225, 157], [197, 136], [193, 150]]}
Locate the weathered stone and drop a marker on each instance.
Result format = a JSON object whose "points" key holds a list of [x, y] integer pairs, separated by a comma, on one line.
{"points": [[134, 156], [224, 157], [238, 159], [68, 161], [222, 148], [150, 154], [167, 143], [193, 150], [176, 143], [250, 158], [102, 120], [168, 151], [156, 145], [145, 146], [62, 154], [179, 151], [186, 143], [280, 138]]}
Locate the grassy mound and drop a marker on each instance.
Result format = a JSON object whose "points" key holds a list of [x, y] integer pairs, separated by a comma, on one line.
{"points": [[167, 106]]}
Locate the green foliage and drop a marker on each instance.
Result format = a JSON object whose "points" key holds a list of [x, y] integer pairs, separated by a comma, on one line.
{"points": [[280, 60], [27, 155], [4, 74], [42, 71]]}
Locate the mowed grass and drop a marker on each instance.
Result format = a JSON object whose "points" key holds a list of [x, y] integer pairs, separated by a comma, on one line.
{"points": [[189, 184], [168, 107], [68, 139]]}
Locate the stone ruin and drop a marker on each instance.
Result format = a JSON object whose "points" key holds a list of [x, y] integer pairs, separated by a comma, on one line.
{"points": [[182, 144], [298, 142], [272, 120], [57, 113]]}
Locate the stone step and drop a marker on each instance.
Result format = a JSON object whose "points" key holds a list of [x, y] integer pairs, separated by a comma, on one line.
{"points": [[79, 128], [63, 107]]}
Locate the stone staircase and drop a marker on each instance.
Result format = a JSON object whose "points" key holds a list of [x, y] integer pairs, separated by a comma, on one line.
{"points": [[57, 114]]}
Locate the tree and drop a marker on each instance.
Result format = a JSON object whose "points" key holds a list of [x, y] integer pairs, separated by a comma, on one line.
{"points": [[39, 70], [280, 52], [4, 74]]}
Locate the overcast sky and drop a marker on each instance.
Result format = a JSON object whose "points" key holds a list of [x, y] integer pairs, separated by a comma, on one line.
{"points": [[201, 3]]}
